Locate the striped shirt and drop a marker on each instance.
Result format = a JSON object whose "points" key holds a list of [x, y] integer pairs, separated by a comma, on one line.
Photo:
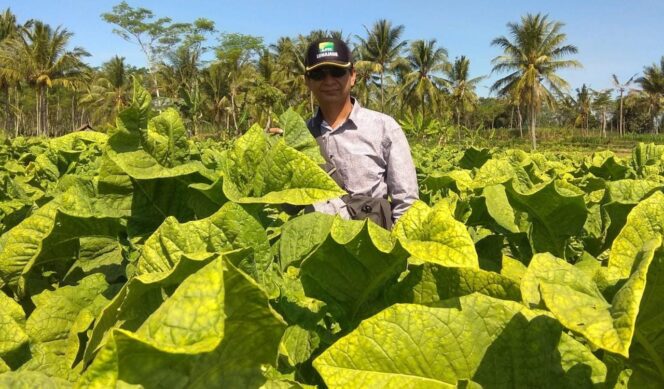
{"points": [[372, 157]]}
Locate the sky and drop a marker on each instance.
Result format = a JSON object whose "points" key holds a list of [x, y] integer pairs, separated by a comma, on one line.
{"points": [[613, 36]]}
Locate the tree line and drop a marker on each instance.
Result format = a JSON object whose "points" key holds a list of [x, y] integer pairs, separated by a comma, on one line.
{"points": [[47, 89]]}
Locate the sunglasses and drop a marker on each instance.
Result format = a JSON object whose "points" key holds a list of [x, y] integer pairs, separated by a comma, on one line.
{"points": [[319, 74]]}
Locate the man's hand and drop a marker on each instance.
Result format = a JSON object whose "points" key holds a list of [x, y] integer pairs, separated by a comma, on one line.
{"points": [[275, 131]]}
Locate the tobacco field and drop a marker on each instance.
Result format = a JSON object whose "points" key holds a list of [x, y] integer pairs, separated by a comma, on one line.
{"points": [[140, 258]]}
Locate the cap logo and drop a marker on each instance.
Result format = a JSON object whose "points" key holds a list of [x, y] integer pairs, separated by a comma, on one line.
{"points": [[324, 47]]}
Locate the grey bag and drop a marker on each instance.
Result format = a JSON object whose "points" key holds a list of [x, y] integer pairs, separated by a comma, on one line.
{"points": [[377, 210]]}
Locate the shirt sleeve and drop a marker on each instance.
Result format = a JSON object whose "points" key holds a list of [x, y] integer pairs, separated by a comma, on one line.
{"points": [[401, 178]]}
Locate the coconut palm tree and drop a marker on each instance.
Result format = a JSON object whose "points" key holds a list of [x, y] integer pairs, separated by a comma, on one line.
{"points": [[181, 70], [8, 28], [602, 100], [382, 46], [109, 92], [365, 81], [652, 84], [423, 82], [289, 68], [622, 88], [533, 54], [462, 87], [215, 86], [39, 54], [583, 104]]}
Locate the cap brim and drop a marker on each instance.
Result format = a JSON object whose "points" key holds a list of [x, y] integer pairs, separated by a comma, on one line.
{"points": [[344, 65]]}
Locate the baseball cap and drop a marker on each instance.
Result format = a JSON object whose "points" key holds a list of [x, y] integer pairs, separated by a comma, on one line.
{"points": [[328, 51]]}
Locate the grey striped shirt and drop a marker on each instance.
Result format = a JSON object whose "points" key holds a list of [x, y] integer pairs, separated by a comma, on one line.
{"points": [[372, 156]]}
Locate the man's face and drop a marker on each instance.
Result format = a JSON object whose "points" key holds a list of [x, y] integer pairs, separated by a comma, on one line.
{"points": [[331, 89]]}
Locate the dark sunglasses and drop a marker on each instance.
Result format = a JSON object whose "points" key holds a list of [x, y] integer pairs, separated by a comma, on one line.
{"points": [[319, 74]]}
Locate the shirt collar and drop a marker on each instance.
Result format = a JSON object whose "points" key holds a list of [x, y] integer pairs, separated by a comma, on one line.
{"points": [[350, 123], [355, 112]]}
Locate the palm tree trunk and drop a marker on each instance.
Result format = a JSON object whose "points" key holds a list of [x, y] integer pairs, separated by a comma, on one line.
{"points": [[652, 123], [19, 113], [520, 120], [235, 126], [512, 118], [533, 122], [621, 129], [5, 95], [73, 111], [45, 112], [156, 90], [604, 123], [382, 105], [57, 114], [38, 111], [269, 118]]}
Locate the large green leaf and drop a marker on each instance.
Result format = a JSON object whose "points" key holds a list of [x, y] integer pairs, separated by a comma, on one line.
{"points": [[125, 151], [494, 343], [436, 184], [619, 199], [56, 311], [302, 235], [555, 212], [143, 294], [350, 269], [647, 159], [155, 200], [499, 208], [52, 362], [646, 355], [606, 165], [644, 227], [499, 171], [574, 299], [206, 199], [21, 245], [228, 229], [298, 344], [12, 331], [429, 283], [258, 173], [166, 138], [547, 268], [32, 379], [194, 338], [50, 237], [138, 299], [298, 136], [83, 200], [474, 158], [644, 223], [150, 149], [98, 255], [433, 235]]}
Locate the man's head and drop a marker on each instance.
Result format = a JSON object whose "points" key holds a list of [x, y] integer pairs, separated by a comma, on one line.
{"points": [[329, 70]]}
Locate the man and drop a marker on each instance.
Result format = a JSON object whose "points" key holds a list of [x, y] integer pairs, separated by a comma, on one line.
{"points": [[366, 151]]}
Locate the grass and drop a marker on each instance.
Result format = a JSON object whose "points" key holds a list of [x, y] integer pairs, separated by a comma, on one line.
{"points": [[552, 139]]}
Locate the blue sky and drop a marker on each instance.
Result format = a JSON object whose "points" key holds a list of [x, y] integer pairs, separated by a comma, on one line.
{"points": [[612, 36]]}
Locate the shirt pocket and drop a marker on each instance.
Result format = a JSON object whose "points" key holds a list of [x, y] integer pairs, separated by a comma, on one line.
{"points": [[360, 170]]}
